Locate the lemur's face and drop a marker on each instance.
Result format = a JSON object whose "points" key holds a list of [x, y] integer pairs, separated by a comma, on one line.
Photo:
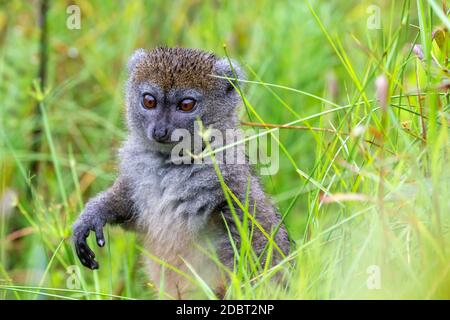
{"points": [[171, 88]]}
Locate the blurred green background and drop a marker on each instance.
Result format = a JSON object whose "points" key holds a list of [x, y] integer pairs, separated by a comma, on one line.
{"points": [[349, 203]]}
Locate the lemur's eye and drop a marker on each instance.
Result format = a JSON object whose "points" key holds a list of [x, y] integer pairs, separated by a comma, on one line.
{"points": [[186, 105], [148, 101]]}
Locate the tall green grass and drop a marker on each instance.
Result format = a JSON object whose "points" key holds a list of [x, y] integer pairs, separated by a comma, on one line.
{"points": [[363, 181]]}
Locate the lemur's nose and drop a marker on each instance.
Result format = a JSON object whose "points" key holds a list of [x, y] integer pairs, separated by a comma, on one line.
{"points": [[161, 134]]}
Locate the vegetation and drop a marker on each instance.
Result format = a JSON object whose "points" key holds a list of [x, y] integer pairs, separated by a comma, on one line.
{"points": [[363, 181]]}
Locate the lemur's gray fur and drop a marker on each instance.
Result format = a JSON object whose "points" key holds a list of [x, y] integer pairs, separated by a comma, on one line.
{"points": [[178, 208]]}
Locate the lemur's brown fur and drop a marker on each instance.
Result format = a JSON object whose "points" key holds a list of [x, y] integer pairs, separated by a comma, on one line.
{"points": [[177, 68]]}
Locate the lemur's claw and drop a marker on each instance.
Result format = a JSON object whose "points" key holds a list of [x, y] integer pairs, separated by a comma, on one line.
{"points": [[99, 236]]}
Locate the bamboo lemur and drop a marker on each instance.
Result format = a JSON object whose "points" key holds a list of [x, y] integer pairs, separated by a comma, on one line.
{"points": [[179, 208]]}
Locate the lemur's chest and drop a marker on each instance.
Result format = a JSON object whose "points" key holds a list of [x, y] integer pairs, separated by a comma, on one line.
{"points": [[162, 197], [156, 195], [169, 233]]}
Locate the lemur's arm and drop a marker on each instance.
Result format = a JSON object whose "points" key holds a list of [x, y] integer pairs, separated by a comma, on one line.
{"points": [[111, 206]]}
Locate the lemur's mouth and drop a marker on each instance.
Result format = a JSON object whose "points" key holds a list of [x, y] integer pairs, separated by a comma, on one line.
{"points": [[166, 142], [162, 146]]}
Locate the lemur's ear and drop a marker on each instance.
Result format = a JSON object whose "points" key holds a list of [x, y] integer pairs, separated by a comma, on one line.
{"points": [[137, 56], [232, 70]]}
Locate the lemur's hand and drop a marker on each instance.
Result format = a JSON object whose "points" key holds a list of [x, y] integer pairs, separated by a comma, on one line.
{"points": [[81, 230]]}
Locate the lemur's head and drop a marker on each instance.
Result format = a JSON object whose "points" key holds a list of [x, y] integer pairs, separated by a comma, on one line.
{"points": [[170, 88]]}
